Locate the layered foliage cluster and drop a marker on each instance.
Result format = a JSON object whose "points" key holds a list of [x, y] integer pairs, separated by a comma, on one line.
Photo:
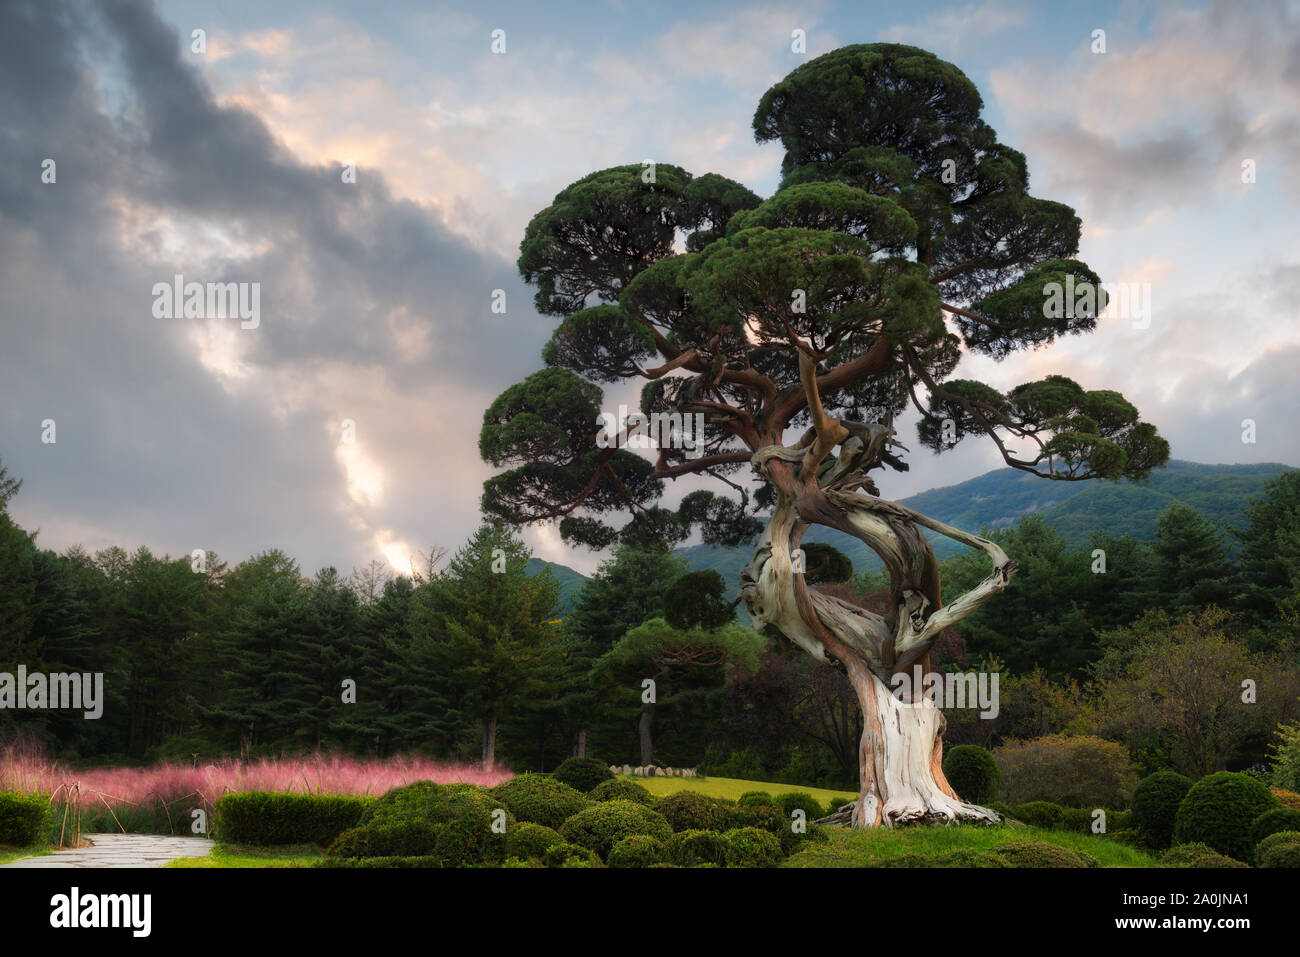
{"points": [[902, 233]]}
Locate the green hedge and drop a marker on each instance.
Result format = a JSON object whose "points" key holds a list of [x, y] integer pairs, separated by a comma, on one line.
{"points": [[265, 817], [1042, 814], [23, 818]]}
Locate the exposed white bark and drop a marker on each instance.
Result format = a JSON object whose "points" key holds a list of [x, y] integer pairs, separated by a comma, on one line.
{"points": [[901, 750]]}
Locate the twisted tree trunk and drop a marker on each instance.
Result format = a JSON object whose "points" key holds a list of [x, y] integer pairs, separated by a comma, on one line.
{"points": [[901, 752]]}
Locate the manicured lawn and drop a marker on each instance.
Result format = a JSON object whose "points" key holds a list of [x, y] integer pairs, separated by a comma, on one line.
{"points": [[240, 855], [8, 853], [862, 848], [732, 788]]}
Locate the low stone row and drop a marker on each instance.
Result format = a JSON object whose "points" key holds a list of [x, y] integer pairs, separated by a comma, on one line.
{"points": [[653, 771]]}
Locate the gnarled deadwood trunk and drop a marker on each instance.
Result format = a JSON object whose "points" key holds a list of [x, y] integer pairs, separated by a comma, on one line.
{"points": [[901, 752]]}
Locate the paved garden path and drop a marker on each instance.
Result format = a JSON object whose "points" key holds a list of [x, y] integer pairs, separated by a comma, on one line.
{"points": [[122, 850]]}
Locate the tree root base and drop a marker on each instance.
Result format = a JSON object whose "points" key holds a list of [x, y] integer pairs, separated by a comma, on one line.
{"points": [[843, 817]]}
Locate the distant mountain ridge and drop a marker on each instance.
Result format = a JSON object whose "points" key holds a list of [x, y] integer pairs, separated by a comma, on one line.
{"points": [[999, 498]]}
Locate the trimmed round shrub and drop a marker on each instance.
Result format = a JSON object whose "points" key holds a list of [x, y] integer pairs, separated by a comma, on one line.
{"points": [[1182, 855], [972, 772], [1041, 854], [756, 799], [599, 827], [1042, 814], [539, 799], [1155, 805], [752, 847], [582, 774], [621, 789], [800, 801], [691, 811], [695, 848], [1275, 821], [1214, 859], [835, 803], [1276, 839], [565, 854], [1219, 810], [639, 850], [450, 823], [1281, 855], [529, 840]]}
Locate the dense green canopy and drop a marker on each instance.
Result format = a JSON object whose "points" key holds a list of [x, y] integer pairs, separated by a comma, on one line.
{"points": [[903, 233]]}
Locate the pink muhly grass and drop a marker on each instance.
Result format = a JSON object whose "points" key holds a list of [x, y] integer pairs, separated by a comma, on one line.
{"points": [[25, 770]]}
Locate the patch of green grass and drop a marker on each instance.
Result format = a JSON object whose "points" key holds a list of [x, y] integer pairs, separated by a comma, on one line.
{"points": [[858, 847], [8, 853], [244, 855], [732, 788]]}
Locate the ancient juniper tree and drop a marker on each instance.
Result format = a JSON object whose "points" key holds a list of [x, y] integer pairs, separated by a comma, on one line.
{"points": [[800, 326]]}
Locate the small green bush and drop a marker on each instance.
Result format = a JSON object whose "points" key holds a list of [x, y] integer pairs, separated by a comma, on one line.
{"points": [[1214, 859], [540, 799], [1182, 855], [1043, 814], [694, 848], [639, 850], [1041, 854], [565, 854], [835, 803], [621, 789], [756, 799], [752, 847], [1277, 821], [582, 774], [601, 826], [528, 840], [1155, 805], [973, 773], [453, 823], [267, 818], [1281, 855], [688, 811], [799, 801], [1219, 810], [23, 818], [1274, 840]]}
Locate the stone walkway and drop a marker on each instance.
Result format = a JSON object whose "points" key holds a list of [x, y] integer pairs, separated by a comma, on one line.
{"points": [[122, 850]]}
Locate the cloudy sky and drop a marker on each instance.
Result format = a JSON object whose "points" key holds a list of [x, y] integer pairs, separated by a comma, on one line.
{"points": [[225, 165]]}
